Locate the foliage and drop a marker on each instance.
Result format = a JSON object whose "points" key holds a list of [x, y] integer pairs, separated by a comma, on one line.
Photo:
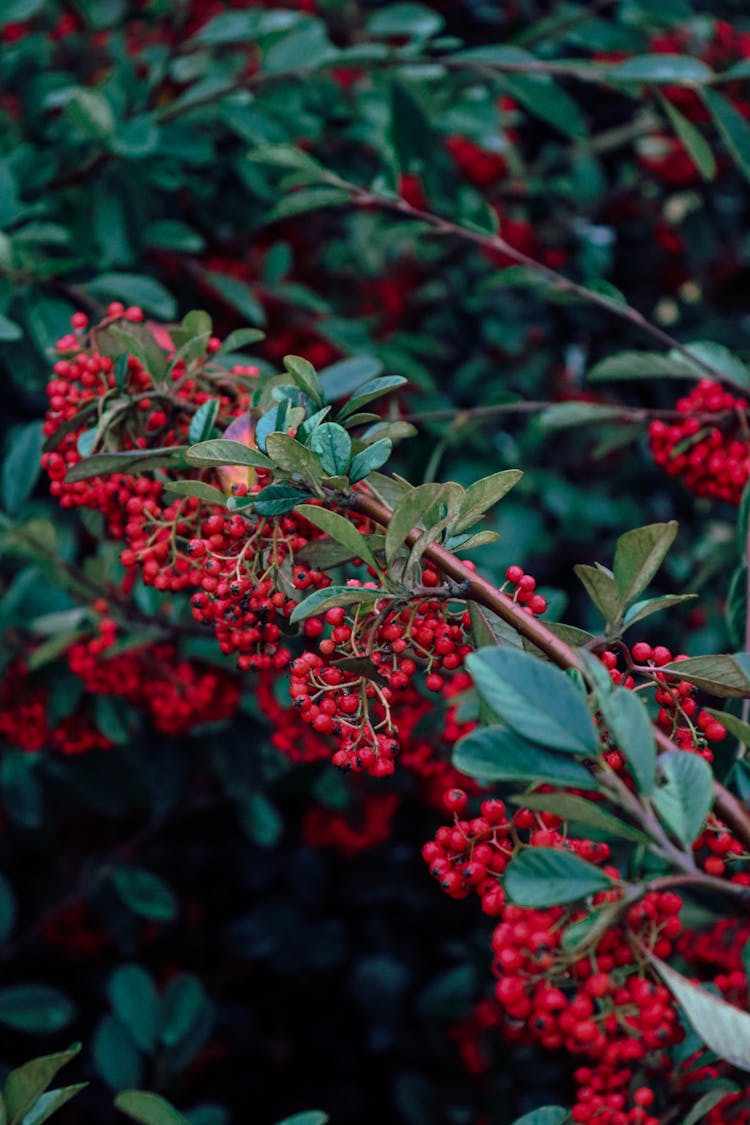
{"points": [[267, 602]]}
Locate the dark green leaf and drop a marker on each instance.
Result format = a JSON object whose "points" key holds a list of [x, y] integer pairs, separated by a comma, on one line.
{"points": [[333, 446], [36, 1008], [684, 800], [732, 126], [136, 289], [148, 1109], [416, 21], [672, 70], [139, 461], [540, 877], [722, 675], [545, 1115], [145, 893], [134, 1001], [373, 457], [497, 753], [199, 488], [376, 388], [50, 1102], [695, 143], [631, 730], [535, 699], [581, 811], [184, 1005], [261, 820], [321, 600], [278, 499], [602, 589], [304, 375], [21, 466], [483, 495], [341, 378], [202, 421], [308, 199], [238, 295], [223, 451], [339, 528], [640, 610]]}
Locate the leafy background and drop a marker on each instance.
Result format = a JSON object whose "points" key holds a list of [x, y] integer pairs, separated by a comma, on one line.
{"points": [[132, 167]]}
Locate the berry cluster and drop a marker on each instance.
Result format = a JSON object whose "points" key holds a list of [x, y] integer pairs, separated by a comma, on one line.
{"points": [[710, 449]]}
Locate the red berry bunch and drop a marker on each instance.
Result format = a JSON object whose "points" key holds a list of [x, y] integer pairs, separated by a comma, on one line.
{"points": [[709, 450], [370, 823]]}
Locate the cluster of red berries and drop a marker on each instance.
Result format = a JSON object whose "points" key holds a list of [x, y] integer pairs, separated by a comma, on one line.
{"points": [[176, 695], [369, 824], [710, 449], [679, 716], [24, 723]]}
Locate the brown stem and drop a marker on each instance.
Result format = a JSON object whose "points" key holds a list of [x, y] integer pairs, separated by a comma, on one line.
{"points": [[479, 590], [366, 197]]}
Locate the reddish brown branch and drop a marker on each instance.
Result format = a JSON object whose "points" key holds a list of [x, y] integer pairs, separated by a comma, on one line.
{"points": [[479, 590]]}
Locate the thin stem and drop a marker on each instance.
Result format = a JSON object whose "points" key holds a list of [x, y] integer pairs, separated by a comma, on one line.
{"points": [[366, 197]]}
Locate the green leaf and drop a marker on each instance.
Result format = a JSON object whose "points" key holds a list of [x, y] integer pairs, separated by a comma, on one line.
{"points": [[206, 492], [545, 1115], [416, 21], [148, 1109], [695, 143], [202, 421], [340, 529], [321, 600], [535, 699], [116, 1057], [92, 113], [728, 368], [22, 794], [50, 1102], [171, 234], [309, 1117], [25, 1085], [278, 499], [644, 365], [540, 877], [238, 295], [16, 11], [135, 1002], [489, 629], [304, 375], [333, 446], [36, 1008], [496, 753], [684, 800], [672, 70], [408, 515], [293, 457], [371, 458], [629, 725], [223, 451], [261, 820], [543, 98], [139, 461], [483, 495], [640, 610], [21, 466], [287, 156], [9, 330], [581, 811], [602, 589], [307, 199], [722, 675], [721, 1026], [639, 555], [303, 48], [376, 388], [145, 893], [345, 376], [732, 126], [326, 553], [238, 339], [8, 910], [184, 1004], [717, 1093], [566, 415], [136, 289]]}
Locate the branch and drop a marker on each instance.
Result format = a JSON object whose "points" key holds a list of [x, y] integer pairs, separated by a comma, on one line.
{"points": [[479, 590]]}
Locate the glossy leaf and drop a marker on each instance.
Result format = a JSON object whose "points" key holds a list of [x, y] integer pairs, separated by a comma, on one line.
{"points": [[339, 528], [540, 877], [630, 727], [145, 893], [497, 753]]}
